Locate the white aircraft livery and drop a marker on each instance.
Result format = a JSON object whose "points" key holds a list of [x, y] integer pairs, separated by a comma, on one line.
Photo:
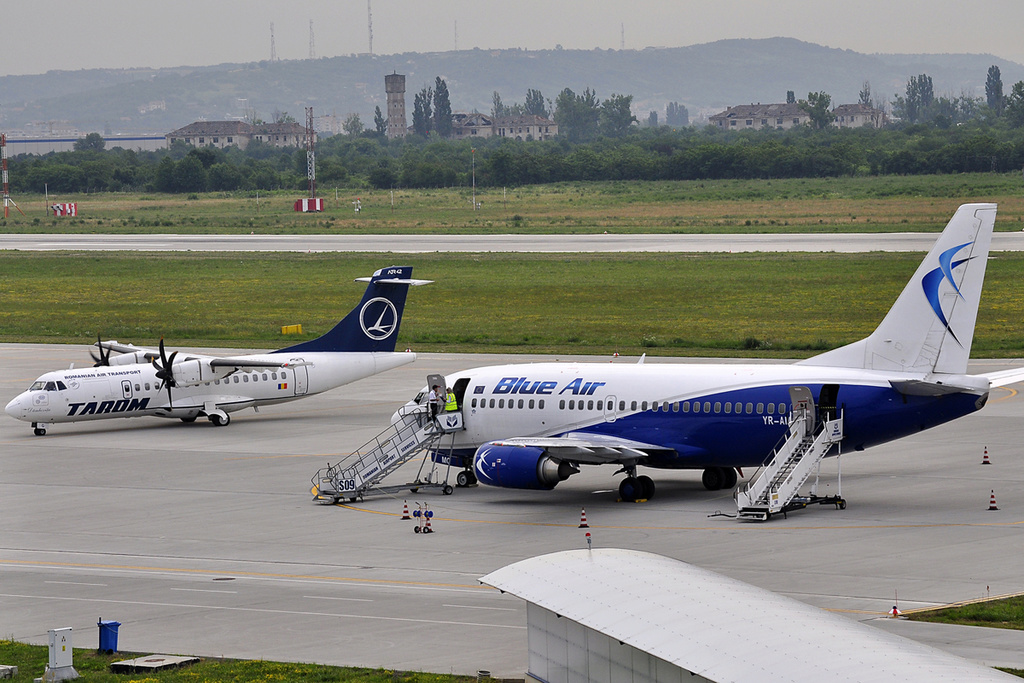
{"points": [[531, 426], [187, 386]]}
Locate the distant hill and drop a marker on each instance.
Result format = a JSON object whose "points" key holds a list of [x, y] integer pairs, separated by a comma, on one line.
{"points": [[706, 78]]}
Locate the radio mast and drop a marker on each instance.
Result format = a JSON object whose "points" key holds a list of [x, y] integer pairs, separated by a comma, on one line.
{"points": [[310, 154], [369, 23], [8, 202]]}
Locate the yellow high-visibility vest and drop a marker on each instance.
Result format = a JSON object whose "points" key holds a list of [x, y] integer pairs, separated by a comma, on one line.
{"points": [[450, 404]]}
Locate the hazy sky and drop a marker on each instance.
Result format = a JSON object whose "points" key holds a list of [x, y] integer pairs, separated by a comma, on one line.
{"points": [[76, 34]]}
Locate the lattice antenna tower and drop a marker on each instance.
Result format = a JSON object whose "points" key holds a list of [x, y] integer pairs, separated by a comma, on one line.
{"points": [[8, 202], [273, 48], [622, 36], [369, 23], [310, 154], [312, 45]]}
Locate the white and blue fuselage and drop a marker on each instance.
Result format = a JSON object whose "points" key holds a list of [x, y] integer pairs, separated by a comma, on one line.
{"points": [[689, 415]]}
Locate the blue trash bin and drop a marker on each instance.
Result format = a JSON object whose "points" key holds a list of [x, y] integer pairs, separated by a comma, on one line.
{"points": [[108, 635]]}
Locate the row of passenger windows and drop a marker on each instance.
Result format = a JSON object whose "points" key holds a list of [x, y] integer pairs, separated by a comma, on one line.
{"points": [[237, 378], [695, 407]]}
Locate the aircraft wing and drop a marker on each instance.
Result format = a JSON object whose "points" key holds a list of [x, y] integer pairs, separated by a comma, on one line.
{"points": [[127, 348], [242, 363], [1005, 377], [592, 449]]}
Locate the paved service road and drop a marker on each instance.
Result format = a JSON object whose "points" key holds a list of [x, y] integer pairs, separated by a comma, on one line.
{"points": [[851, 242], [203, 540]]}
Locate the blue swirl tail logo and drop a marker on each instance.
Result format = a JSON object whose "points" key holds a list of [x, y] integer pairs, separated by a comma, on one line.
{"points": [[933, 279]]}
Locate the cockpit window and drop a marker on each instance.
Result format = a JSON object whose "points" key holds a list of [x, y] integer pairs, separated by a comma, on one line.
{"points": [[40, 385]]}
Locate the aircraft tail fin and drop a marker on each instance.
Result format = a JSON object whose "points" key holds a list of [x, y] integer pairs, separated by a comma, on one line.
{"points": [[373, 324], [930, 328]]}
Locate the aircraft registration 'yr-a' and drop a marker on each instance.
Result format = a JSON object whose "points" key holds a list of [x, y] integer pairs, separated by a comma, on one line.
{"points": [[531, 426], [187, 386]]}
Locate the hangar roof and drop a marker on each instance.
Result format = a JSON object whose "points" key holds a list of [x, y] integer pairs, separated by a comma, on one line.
{"points": [[720, 628]]}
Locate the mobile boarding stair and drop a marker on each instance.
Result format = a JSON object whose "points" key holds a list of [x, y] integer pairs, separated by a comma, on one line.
{"points": [[775, 486], [360, 474]]}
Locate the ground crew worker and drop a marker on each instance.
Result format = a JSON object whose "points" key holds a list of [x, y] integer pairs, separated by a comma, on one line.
{"points": [[434, 401], [450, 404]]}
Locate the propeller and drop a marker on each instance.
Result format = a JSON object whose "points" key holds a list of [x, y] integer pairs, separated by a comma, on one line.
{"points": [[103, 358], [164, 369]]}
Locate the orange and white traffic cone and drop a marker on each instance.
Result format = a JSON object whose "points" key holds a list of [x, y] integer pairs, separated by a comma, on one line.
{"points": [[985, 460], [992, 501], [405, 510], [583, 520], [427, 529]]}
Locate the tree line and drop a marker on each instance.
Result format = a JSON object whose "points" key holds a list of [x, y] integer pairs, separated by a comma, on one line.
{"points": [[598, 140]]}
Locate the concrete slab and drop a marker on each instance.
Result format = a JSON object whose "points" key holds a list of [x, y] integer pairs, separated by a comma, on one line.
{"points": [[205, 540], [151, 663]]}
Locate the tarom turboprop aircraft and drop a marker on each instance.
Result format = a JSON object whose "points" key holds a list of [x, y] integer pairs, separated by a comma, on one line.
{"points": [[187, 386], [532, 426]]}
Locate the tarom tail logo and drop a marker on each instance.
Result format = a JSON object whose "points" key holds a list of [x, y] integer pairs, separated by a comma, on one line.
{"points": [[933, 279], [378, 318]]}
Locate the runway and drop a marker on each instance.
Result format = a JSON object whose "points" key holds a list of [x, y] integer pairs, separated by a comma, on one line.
{"points": [[204, 541], [587, 243]]}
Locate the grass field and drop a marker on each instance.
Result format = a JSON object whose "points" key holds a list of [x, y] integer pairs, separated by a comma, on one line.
{"points": [[94, 667], [786, 305], [782, 305], [862, 204]]}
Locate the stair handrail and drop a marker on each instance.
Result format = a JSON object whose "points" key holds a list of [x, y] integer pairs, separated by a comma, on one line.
{"points": [[770, 461], [411, 422]]}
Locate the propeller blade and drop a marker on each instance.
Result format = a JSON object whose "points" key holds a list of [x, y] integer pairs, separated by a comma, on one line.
{"points": [[165, 370], [104, 358]]}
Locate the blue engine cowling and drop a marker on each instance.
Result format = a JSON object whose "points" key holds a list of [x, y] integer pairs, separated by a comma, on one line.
{"points": [[519, 467]]}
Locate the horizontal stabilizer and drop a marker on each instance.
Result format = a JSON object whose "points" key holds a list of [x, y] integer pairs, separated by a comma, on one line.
{"points": [[956, 384], [1004, 378]]}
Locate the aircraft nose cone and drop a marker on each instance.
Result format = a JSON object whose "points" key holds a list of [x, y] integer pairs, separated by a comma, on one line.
{"points": [[14, 408]]}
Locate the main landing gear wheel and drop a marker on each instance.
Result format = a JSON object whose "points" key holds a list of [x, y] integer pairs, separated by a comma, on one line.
{"points": [[646, 486], [39, 431], [462, 479], [730, 478], [713, 478], [220, 421], [630, 489]]}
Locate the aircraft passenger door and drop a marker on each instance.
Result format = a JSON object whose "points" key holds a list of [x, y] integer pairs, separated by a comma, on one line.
{"points": [[300, 377], [126, 389], [610, 414], [803, 401]]}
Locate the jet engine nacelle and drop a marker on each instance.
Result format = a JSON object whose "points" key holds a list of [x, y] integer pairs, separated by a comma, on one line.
{"points": [[519, 467], [196, 371]]}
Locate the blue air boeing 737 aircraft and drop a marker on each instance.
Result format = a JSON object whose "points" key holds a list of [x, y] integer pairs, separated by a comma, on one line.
{"points": [[532, 426], [187, 386]]}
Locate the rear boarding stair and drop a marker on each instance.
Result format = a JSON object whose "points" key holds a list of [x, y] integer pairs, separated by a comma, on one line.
{"points": [[775, 486]]}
